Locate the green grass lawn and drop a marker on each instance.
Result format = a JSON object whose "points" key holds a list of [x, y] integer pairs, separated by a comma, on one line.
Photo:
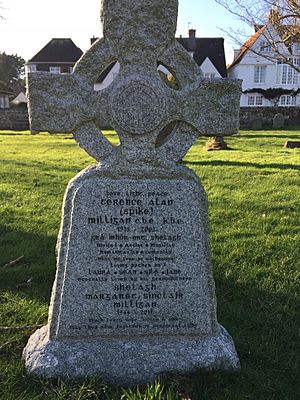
{"points": [[254, 200]]}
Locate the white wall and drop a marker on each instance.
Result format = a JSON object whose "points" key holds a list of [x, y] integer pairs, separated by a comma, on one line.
{"points": [[208, 68], [109, 79]]}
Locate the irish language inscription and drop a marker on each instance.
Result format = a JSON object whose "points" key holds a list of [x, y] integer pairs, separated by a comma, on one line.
{"points": [[140, 262]]}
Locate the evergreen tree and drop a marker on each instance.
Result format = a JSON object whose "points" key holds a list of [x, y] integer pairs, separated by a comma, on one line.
{"points": [[11, 68]]}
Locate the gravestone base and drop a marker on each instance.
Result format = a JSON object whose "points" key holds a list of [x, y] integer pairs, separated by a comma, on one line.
{"points": [[128, 361], [216, 143]]}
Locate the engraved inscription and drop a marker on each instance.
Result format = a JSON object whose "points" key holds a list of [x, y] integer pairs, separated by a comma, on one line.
{"points": [[138, 107], [139, 267]]}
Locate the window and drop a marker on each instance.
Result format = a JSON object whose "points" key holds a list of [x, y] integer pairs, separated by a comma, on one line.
{"points": [[31, 68], [258, 100], [4, 101], [288, 100], [55, 70], [296, 61], [296, 48], [209, 75], [265, 47], [251, 100], [286, 74], [255, 100], [70, 70], [260, 74]]}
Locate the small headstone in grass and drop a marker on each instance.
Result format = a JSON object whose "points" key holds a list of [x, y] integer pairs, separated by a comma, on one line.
{"points": [[134, 294], [256, 124], [278, 121]]}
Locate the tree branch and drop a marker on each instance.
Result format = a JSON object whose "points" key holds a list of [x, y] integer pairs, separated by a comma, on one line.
{"points": [[284, 19]]}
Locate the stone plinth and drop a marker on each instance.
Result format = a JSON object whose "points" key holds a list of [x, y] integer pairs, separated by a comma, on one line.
{"points": [[216, 143], [129, 361]]}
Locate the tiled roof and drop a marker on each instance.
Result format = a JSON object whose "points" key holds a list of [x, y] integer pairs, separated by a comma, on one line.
{"points": [[58, 50], [246, 46]]}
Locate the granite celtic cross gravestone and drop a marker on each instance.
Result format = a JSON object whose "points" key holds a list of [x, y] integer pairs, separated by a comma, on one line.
{"points": [[134, 294]]}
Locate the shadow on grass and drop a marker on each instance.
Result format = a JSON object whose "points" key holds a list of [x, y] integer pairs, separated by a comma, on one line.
{"points": [[221, 163], [266, 136], [38, 263]]}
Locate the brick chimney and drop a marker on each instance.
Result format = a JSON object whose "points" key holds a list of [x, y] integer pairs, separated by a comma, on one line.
{"points": [[192, 33]]}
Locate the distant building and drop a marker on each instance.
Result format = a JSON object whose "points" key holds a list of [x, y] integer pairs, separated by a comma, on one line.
{"points": [[58, 56], [5, 93], [267, 79], [208, 53]]}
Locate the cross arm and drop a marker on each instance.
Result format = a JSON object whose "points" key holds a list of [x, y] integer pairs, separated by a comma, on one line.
{"points": [[211, 106], [57, 102]]}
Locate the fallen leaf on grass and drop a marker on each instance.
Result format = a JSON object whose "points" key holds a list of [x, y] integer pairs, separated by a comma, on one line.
{"points": [[13, 262], [18, 328], [24, 285]]}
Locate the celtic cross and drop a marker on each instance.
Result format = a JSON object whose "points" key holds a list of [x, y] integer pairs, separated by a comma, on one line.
{"points": [[138, 104], [135, 218]]}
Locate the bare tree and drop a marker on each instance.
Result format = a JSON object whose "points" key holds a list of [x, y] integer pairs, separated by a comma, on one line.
{"points": [[277, 21], [1, 8]]}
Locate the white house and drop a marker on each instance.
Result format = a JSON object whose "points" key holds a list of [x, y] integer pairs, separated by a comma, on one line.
{"points": [[58, 56], [267, 79]]}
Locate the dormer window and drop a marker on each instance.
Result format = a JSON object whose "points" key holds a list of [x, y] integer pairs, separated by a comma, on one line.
{"points": [[55, 70], [265, 47]]}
